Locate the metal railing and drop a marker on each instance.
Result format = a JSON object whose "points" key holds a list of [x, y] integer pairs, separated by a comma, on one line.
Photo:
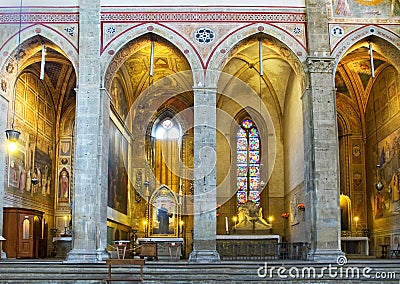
{"points": [[261, 250]]}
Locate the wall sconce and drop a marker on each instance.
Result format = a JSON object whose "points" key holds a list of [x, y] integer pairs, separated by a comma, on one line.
{"points": [[301, 206]]}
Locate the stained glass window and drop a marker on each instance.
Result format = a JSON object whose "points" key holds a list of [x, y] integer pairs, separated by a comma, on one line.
{"points": [[248, 163]]}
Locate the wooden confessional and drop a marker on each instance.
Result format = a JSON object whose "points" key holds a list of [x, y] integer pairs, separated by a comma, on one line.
{"points": [[25, 233]]}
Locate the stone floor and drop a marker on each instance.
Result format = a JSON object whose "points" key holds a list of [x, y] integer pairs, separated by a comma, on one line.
{"points": [[354, 271]]}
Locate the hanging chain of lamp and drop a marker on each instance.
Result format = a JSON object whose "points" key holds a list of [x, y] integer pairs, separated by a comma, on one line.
{"points": [[12, 134], [379, 184]]}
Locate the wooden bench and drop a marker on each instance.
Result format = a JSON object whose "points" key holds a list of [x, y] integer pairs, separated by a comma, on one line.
{"points": [[114, 263]]}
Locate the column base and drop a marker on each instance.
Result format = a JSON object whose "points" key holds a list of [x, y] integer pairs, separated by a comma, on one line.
{"points": [[327, 256], [3, 255], [86, 256], [204, 256]]}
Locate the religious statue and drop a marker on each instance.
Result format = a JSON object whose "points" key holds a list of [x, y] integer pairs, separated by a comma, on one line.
{"points": [[250, 218]]}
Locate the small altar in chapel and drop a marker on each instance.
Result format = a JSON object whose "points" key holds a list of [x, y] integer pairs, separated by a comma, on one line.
{"points": [[355, 245], [61, 246], [166, 248], [248, 247]]}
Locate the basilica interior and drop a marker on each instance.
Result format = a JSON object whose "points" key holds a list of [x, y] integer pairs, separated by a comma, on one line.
{"points": [[259, 157]]}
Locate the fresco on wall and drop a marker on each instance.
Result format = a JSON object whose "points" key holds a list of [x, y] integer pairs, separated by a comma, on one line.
{"points": [[16, 170], [42, 171], [34, 182], [366, 8], [65, 148], [388, 201], [294, 218], [117, 172]]}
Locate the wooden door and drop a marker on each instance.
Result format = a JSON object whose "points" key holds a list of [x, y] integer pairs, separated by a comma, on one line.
{"points": [[25, 236]]}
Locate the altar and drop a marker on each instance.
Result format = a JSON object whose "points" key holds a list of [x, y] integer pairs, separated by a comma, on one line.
{"points": [[355, 245], [61, 246], [248, 247], [166, 248]]}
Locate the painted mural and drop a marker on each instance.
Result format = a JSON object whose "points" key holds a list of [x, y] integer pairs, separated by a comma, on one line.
{"points": [[387, 201], [30, 182], [366, 8], [117, 171]]}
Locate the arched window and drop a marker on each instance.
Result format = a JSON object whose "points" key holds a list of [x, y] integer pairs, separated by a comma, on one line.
{"points": [[166, 138], [248, 162]]}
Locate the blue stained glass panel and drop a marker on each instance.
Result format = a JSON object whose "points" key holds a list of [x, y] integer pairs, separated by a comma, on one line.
{"points": [[255, 171], [247, 124], [242, 157], [242, 183], [241, 133], [242, 144], [254, 144], [254, 183], [253, 133], [254, 157], [242, 170], [254, 196], [241, 196]]}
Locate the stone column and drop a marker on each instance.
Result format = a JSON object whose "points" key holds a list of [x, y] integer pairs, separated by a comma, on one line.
{"points": [[205, 195], [321, 155], [321, 140], [89, 213], [3, 157]]}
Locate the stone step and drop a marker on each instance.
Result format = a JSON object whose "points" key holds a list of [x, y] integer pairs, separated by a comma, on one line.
{"points": [[22, 271]]}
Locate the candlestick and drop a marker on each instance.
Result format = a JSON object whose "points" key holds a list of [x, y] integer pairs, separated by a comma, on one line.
{"points": [[226, 224]]}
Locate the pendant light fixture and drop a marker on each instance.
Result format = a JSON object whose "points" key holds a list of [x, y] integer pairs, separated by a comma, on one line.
{"points": [[379, 184], [12, 134], [371, 58]]}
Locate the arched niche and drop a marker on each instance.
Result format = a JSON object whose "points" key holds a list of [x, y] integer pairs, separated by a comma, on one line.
{"points": [[345, 213], [164, 214]]}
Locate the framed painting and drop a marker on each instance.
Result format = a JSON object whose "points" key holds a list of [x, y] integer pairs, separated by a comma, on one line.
{"points": [[163, 213], [117, 171]]}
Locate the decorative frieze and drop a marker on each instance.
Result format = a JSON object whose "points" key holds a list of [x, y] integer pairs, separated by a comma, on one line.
{"points": [[320, 64]]}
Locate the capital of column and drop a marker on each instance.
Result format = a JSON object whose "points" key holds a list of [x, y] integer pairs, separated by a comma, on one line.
{"points": [[320, 64]]}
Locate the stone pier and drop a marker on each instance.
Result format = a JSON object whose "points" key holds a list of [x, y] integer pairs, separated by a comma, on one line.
{"points": [[91, 144], [321, 140], [205, 195]]}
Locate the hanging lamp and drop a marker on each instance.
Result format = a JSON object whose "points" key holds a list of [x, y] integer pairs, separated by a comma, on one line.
{"points": [[12, 134]]}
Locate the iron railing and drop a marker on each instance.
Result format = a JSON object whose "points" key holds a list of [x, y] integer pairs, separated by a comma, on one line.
{"points": [[261, 250]]}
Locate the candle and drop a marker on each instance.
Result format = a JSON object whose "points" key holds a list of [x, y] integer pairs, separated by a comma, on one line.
{"points": [[226, 224], [65, 221]]}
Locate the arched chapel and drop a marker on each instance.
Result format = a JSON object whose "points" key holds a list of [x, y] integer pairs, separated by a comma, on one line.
{"points": [[204, 125]]}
